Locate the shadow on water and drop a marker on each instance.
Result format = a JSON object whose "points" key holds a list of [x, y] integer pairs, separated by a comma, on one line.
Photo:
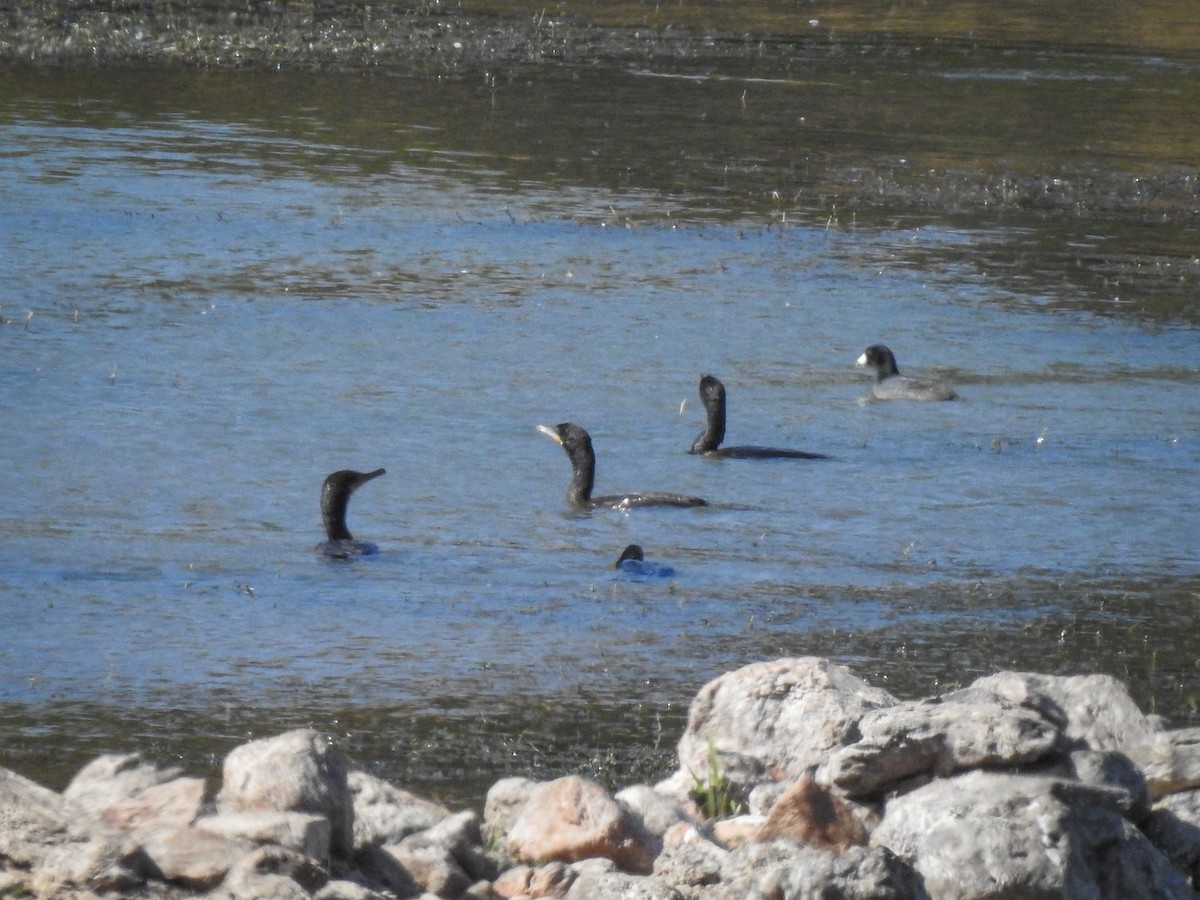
{"points": [[235, 272]]}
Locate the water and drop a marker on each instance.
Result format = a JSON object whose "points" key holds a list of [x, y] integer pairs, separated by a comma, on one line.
{"points": [[219, 288]]}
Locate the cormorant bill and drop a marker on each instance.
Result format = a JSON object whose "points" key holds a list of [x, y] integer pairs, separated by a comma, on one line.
{"points": [[335, 496], [891, 385], [633, 562], [578, 445], [708, 443]]}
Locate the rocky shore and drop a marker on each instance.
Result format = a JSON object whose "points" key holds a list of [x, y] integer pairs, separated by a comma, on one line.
{"points": [[796, 779]]}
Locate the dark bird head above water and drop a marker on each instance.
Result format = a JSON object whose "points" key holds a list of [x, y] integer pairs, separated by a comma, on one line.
{"points": [[633, 551], [578, 446], [891, 385], [335, 497], [708, 442], [633, 562]]}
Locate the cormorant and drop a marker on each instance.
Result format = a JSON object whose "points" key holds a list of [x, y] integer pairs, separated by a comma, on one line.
{"points": [[578, 445], [335, 496], [891, 385], [708, 443]]}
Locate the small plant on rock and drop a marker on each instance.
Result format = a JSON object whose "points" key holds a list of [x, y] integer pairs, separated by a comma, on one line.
{"points": [[714, 793]]}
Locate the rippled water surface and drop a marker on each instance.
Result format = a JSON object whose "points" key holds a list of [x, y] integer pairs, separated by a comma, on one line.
{"points": [[219, 288]]}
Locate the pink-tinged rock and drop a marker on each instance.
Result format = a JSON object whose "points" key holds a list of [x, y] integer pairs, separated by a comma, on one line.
{"points": [[192, 857], [175, 803], [772, 721], [504, 801], [572, 819], [274, 873], [813, 814], [547, 882], [737, 830], [305, 833], [60, 845], [294, 772], [110, 779]]}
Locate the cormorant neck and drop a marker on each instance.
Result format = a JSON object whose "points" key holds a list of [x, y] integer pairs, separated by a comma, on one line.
{"points": [[712, 395], [583, 476], [714, 432], [334, 499]]}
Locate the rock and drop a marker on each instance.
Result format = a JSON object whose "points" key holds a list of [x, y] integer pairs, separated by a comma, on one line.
{"points": [[305, 833], [984, 834], [1096, 712], [296, 772], [379, 867], [514, 881], [190, 856], [503, 804], [772, 721], [938, 737], [1116, 770], [384, 814], [60, 846], [447, 858], [785, 870], [551, 880], [176, 803], [689, 866], [346, 890], [480, 890], [658, 812], [737, 830], [274, 873], [1171, 761], [1092, 711], [1173, 826], [573, 819], [619, 886], [116, 777], [814, 815]]}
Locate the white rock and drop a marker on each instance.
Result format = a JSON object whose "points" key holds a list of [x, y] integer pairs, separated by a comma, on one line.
{"points": [[295, 772]]}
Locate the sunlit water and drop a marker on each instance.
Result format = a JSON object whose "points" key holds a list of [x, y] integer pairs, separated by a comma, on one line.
{"points": [[203, 315]]}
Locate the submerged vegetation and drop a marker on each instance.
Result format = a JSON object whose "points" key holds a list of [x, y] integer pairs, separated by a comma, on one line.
{"points": [[432, 36]]}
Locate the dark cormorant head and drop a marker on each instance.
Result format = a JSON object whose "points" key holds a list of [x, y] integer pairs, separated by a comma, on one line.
{"points": [[880, 358], [633, 551], [712, 396], [335, 496]]}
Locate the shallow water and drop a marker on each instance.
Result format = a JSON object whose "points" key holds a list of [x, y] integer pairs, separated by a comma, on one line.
{"points": [[221, 287]]}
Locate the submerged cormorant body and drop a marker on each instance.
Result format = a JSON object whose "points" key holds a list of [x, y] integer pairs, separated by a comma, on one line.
{"points": [[891, 385], [335, 496], [578, 445], [633, 562], [708, 443]]}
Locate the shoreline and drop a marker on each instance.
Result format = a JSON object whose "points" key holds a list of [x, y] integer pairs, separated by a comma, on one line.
{"points": [[795, 778], [435, 39]]}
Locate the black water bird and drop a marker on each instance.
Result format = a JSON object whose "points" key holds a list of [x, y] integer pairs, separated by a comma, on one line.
{"points": [[708, 443], [335, 496], [578, 445], [632, 561], [891, 385]]}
